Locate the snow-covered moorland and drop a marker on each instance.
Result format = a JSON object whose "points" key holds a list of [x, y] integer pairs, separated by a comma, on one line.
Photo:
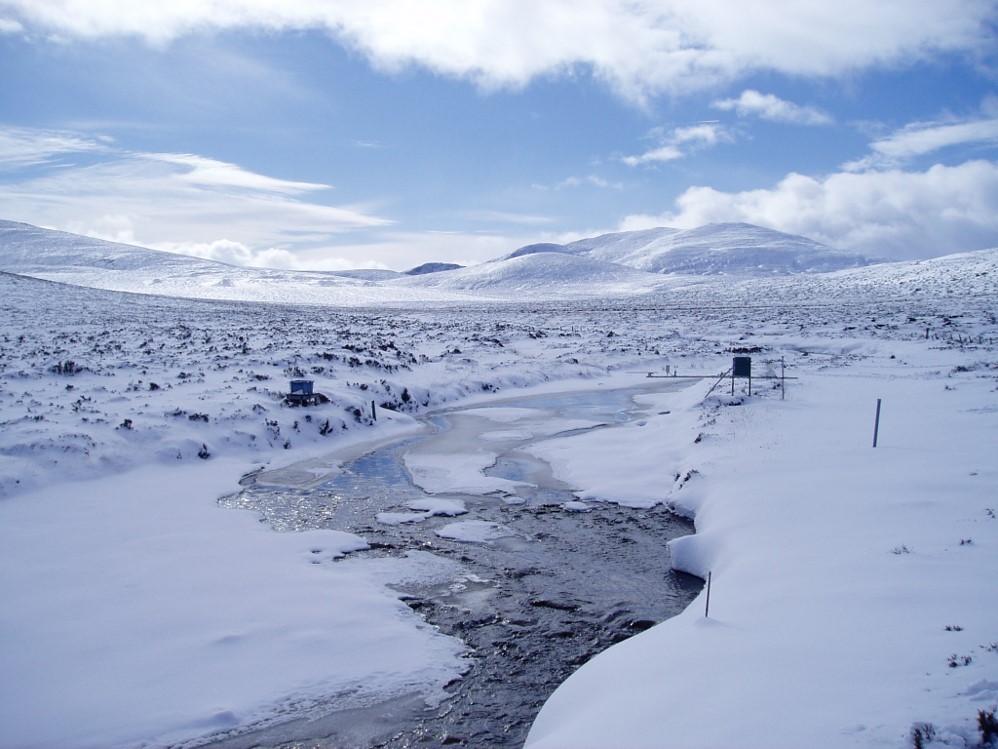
{"points": [[850, 585]]}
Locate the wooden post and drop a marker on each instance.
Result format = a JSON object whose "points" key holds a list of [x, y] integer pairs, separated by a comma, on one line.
{"points": [[706, 611], [374, 414], [876, 424], [783, 378]]}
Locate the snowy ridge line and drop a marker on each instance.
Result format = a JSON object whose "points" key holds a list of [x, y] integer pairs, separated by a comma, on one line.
{"points": [[579, 273]]}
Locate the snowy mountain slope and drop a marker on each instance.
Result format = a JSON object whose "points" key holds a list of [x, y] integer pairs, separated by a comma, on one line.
{"points": [[543, 274], [970, 274], [580, 269], [714, 249], [83, 261], [26, 249], [367, 274]]}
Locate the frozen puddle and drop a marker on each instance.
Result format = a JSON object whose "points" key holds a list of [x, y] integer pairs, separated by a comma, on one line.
{"points": [[533, 581]]}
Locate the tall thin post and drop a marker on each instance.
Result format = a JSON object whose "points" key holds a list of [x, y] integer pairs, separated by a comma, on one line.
{"points": [[783, 379], [876, 424], [374, 413], [706, 611]]}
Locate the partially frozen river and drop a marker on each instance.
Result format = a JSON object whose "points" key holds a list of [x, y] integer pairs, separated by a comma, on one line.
{"points": [[536, 582]]}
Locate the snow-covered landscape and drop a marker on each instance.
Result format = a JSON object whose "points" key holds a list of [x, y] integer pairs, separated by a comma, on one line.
{"points": [[850, 598]]}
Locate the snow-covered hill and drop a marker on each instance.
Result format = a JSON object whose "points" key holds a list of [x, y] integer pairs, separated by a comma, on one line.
{"points": [[83, 261], [598, 268], [714, 249], [541, 274], [607, 266]]}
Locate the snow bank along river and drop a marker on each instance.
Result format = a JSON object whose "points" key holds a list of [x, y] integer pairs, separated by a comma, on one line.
{"points": [[533, 581]]}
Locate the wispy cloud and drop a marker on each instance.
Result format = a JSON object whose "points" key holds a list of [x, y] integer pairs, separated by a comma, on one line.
{"points": [[22, 147], [640, 49], [770, 107], [574, 183], [590, 180], [507, 217], [922, 138], [679, 142], [199, 170], [168, 201]]}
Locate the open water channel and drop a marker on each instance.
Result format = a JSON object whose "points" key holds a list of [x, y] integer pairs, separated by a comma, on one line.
{"points": [[547, 588]]}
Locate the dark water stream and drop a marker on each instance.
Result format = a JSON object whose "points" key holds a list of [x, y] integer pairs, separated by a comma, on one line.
{"points": [[554, 587]]}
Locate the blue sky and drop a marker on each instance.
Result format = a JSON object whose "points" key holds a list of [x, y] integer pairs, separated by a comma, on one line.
{"points": [[331, 134]]}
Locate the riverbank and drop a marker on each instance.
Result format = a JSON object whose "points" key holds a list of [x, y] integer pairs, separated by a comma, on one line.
{"points": [[143, 613], [850, 601]]}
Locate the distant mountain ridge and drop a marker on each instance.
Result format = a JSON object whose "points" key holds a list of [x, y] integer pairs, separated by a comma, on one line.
{"points": [[714, 249], [575, 271]]}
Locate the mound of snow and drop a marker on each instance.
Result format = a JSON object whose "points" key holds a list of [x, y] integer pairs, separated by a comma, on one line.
{"points": [[425, 268]]}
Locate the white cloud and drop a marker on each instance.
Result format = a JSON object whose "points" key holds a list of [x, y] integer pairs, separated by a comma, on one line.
{"points": [[590, 180], [771, 107], [9, 26], [680, 142], [640, 49], [661, 153], [234, 253], [894, 214]]}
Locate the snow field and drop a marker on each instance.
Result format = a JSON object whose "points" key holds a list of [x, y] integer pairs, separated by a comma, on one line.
{"points": [[850, 585], [138, 612], [141, 613]]}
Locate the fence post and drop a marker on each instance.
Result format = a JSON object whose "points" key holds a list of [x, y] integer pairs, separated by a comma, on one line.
{"points": [[876, 424], [706, 611]]}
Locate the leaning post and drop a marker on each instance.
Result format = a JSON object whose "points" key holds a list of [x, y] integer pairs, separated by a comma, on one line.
{"points": [[876, 424], [706, 610]]}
